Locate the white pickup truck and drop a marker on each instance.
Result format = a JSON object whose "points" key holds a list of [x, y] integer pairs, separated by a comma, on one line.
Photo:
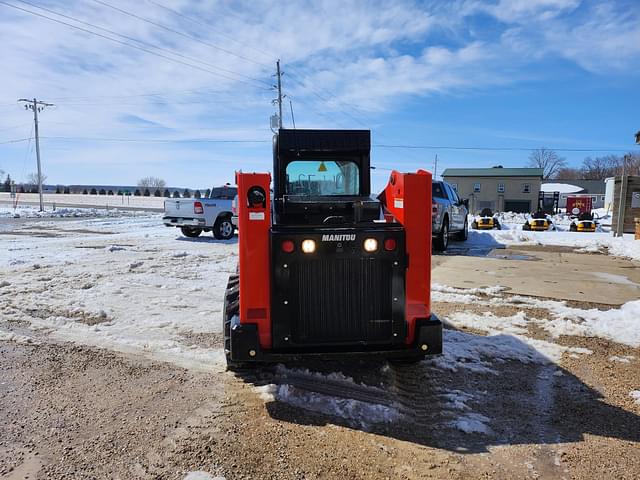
{"points": [[196, 215]]}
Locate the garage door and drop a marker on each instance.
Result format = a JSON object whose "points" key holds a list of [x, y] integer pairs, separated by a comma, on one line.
{"points": [[518, 206]]}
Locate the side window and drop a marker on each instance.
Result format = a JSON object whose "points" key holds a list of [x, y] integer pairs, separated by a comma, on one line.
{"points": [[476, 187], [437, 190], [501, 188], [455, 197], [526, 188], [448, 192]]}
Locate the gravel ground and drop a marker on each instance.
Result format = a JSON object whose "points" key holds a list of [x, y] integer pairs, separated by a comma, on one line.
{"points": [[70, 409]]}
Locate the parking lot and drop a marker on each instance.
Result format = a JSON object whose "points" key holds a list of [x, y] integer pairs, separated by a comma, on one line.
{"points": [[110, 334]]}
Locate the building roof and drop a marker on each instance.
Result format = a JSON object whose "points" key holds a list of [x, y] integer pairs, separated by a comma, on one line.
{"points": [[493, 172], [595, 187]]}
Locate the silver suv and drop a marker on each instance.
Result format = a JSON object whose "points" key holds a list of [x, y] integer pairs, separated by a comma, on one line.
{"points": [[449, 216]]}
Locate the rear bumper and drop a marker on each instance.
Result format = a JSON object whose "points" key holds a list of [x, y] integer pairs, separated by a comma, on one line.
{"points": [[245, 346], [184, 222]]}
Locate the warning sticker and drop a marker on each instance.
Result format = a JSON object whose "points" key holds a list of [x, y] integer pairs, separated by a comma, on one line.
{"points": [[398, 202], [256, 215]]}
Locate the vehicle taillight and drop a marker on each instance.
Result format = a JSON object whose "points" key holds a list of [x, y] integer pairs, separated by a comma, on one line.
{"points": [[434, 210], [390, 244], [197, 207], [287, 246]]}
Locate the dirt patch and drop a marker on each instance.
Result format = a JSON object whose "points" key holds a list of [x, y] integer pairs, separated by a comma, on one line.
{"points": [[87, 413]]}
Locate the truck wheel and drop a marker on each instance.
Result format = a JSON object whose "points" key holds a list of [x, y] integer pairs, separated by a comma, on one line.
{"points": [[442, 239], [463, 234], [496, 224], [191, 232], [223, 229]]}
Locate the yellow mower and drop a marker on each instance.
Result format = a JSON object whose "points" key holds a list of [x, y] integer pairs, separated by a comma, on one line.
{"points": [[584, 223], [539, 222], [485, 221]]}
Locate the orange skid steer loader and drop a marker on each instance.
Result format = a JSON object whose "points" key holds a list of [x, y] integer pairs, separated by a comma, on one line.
{"points": [[325, 269]]}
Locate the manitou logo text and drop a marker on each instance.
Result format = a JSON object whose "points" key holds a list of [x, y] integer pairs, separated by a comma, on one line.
{"points": [[335, 237]]}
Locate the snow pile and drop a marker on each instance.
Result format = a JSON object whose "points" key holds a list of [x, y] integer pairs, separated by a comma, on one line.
{"points": [[199, 475], [478, 354], [360, 413], [141, 299], [621, 359], [6, 336], [621, 325], [466, 420], [66, 212], [512, 234]]}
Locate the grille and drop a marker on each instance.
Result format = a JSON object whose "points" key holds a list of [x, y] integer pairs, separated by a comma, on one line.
{"points": [[342, 300]]}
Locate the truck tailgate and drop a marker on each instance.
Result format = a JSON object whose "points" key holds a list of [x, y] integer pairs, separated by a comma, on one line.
{"points": [[180, 208]]}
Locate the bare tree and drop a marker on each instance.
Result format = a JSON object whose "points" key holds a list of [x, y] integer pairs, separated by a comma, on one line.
{"points": [[568, 173], [547, 160], [599, 168], [152, 182], [32, 182], [610, 165]]}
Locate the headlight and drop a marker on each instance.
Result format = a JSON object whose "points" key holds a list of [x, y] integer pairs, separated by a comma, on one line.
{"points": [[308, 246], [370, 245]]}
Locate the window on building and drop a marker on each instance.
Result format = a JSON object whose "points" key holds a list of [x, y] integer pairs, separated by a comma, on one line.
{"points": [[501, 188], [476, 188], [602, 197], [563, 196], [594, 199], [455, 187], [526, 188]]}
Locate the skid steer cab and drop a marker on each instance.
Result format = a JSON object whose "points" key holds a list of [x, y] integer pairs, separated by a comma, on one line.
{"points": [[326, 269]]}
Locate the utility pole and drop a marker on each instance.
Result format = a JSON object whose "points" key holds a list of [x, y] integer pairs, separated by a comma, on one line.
{"points": [[623, 198], [279, 74], [37, 106], [435, 167]]}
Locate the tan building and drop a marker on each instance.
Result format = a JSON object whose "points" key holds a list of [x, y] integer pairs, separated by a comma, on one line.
{"points": [[500, 189]]}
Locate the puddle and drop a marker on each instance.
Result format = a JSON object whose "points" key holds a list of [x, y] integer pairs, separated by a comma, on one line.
{"points": [[501, 253]]}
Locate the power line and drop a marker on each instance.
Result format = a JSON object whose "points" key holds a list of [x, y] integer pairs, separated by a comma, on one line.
{"points": [[506, 149], [176, 32], [228, 37], [126, 43], [155, 140], [156, 94], [16, 140], [151, 45], [376, 145]]}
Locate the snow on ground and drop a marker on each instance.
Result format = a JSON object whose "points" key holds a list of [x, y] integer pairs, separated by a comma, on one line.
{"points": [[511, 233], [621, 325], [66, 212], [199, 475], [635, 394], [127, 283]]}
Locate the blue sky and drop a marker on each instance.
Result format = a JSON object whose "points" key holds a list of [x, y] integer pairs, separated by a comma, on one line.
{"points": [[509, 74]]}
